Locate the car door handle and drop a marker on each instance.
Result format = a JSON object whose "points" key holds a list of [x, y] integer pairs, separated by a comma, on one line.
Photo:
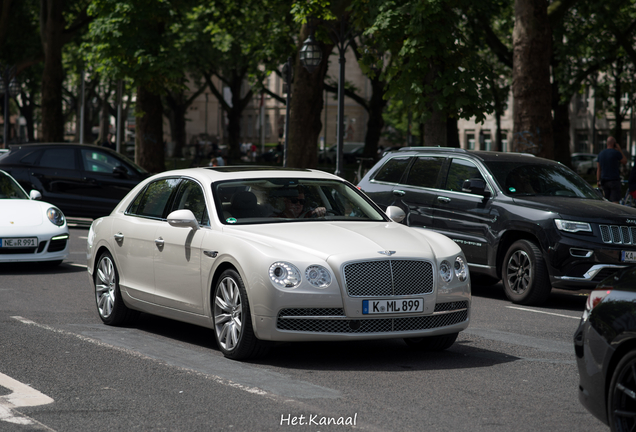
{"points": [[159, 243], [443, 199], [119, 237], [90, 180], [399, 193]]}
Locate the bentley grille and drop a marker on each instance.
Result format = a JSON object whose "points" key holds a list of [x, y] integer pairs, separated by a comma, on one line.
{"points": [[391, 277]]}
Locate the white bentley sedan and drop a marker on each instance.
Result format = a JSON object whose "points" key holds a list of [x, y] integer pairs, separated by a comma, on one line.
{"points": [[260, 255], [30, 230]]}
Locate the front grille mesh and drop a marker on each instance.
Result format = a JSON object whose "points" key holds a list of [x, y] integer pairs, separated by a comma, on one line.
{"points": [[618, 234], [287, 320], [388, 278]]}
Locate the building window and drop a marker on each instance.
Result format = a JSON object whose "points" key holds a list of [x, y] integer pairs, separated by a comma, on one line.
{"points": [[470, 140], [504, 140], [582, 143]]}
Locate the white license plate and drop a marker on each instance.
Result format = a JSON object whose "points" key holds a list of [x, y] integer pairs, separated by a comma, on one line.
{"points": [[411, 305], [19, 242], [628, 256]]}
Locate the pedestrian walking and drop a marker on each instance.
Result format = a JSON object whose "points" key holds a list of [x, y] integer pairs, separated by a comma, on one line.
{"points": [[608, 170]]}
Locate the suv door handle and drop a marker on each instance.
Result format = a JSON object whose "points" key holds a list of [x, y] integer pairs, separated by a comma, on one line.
{"points": [[443, 199], [399, 193], [159, 243]]}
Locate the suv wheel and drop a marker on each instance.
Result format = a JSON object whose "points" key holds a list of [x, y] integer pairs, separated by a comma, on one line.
{"points": [[525, 275]]}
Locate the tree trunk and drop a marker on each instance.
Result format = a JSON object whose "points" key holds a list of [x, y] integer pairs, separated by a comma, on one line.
{"points": [[452, 132], [435, 133], [176, 115], [306, 106], [51, 27], [561, 128], [532, 130], [149, 149], [376, 121]]}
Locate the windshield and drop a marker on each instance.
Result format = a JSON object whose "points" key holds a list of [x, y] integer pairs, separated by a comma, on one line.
{"points": [[527, 179], [290, 200], [9, 189]]}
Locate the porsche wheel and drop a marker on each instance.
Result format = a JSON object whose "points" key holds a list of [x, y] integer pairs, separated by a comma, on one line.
{"points": [[232, 320], [110, 305], [621, 406]]}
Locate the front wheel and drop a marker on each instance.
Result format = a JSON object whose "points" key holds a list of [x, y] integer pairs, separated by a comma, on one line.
{"points": [[621, 406], [432, 343], [232, 320], [110, 305], [525, 274]]}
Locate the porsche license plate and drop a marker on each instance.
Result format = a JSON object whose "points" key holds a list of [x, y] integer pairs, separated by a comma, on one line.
{"points": [[411, 305], [19, 242], [628, 256]]}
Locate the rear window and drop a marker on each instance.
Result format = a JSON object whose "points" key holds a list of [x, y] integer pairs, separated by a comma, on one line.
{"points": [[392, 170]]}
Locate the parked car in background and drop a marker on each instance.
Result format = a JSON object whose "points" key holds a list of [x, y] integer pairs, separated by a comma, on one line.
{"points": [[30, 230], [81, 180], [530, 222], [605, 347], [584, 163], [350, 151], [261, 255]]}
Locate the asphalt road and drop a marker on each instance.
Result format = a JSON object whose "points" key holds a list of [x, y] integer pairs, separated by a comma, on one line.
{"points": [[63, 370]]}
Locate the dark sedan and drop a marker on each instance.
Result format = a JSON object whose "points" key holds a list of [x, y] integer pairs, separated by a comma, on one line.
{"points": [[605, 346], [82, 180]]}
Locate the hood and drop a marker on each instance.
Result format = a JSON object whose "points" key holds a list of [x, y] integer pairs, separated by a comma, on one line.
{"points": [[16, 213], [585, 210], [325, 239]]}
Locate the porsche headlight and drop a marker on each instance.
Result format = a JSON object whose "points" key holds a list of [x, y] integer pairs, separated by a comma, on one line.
{"points": [[284, 274], [318, 276], [446, 271], [460, 269], [56, 216]]}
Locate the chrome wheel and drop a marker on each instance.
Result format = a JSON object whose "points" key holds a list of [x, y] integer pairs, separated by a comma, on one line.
{"points": [[105, 286], [519, 271], [228, 314]]}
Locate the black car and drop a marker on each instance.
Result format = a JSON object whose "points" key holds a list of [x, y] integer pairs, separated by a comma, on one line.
{"points": [[82, 180], [605, 347], [531, 222]]}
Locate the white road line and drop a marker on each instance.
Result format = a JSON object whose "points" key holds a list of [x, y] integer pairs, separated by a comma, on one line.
{"points": [[543, 312], [22, 396]]}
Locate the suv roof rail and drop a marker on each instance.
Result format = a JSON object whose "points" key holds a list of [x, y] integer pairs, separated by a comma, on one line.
{"points": [[438, 148]]}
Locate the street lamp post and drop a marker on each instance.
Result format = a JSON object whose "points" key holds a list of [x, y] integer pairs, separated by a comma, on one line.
{"points": [[287, 76], [342, 38], [10, 88]]}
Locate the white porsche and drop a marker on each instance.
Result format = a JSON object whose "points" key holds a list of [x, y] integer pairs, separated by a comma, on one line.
{"points": [[30, 230], [261, 254]]}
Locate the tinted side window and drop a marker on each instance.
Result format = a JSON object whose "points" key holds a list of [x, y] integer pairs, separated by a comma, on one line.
{"points": [[459, 171], [392, 170], [58, 158], [425, 172], [191, 198], [155, 198]]}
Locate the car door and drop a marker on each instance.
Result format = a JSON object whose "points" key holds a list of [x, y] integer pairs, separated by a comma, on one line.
{"points": [[418, 191], [107, 180], [177, 262], [135, 236], [56, 174], [387, 179], [464, 216]]}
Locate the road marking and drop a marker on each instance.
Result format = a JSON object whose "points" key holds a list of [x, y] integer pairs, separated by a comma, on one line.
{"points": [[259, 381], [22, 396], [543, 312]]}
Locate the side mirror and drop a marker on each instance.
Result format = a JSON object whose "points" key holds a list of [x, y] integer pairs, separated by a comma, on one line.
{"points": [[475, 186], [183, 219], [395, 213], [599, 192], [120, 171], [35, 195]]}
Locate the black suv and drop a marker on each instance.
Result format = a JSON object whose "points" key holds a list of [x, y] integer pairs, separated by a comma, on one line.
{"points": [[82, 180], [531, 222]]}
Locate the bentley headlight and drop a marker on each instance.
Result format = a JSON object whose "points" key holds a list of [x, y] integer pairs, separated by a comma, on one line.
{"points": [[446, 271], [460, 269], [572, 226], [318, 276], [284, 274], [56, 216]]}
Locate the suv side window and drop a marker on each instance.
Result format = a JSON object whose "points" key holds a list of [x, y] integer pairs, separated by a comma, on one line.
{"points": [[425, 171], [459, 171], [392, 170], [153, 200], [58, 158], [97, 161]]}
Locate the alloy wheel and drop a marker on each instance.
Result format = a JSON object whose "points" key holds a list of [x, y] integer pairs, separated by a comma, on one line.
{"points": [[105, 287], [519, 271], [228, 314]]}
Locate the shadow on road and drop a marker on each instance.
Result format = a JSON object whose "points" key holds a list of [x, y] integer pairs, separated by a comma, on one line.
{"points": [[32, 268]]}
